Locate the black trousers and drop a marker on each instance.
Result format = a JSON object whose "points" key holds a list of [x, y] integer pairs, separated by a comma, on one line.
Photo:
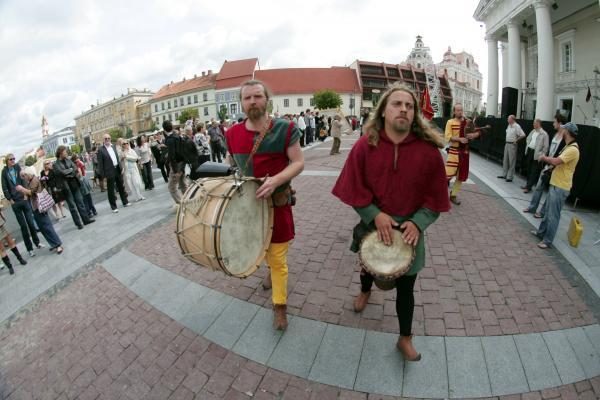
{"points": [[117, 181], [24, 214], [533, 169], [164, 170], [147, 174], [302, 138], [74, 199], [405, 298]]}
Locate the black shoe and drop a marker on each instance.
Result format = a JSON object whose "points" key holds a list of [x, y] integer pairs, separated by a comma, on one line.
{"points": [[501, 177], [79, 227], [89, 221], [509, 180]]}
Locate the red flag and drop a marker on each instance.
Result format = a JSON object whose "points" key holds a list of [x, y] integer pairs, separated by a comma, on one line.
{"points": [[588, 97], [426, 107]]}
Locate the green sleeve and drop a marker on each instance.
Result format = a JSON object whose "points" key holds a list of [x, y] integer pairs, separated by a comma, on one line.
{"points": [[424, 217], [368, 213]]}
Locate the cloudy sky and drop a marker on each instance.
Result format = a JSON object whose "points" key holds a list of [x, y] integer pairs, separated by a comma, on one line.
{"points": [[58, 57]]}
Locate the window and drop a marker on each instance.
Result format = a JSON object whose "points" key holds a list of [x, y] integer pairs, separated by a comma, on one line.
{"points": [[566, 43], [169, 105], [189, 99], [455, 75], [567, 57], [176, 115], [164, 118], [64, 140], [156, 108], [468, 64], [233, 108], [477, 84], [205, 110], [204, 96], [162, 106], [299, 102], [195, 98], [312, 102], [181, 102], [170, 117], [175, 103], [286, 103], [157, 120]]}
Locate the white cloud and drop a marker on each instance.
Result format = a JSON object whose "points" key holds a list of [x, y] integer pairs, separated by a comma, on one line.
{"points": [[62, 56]]}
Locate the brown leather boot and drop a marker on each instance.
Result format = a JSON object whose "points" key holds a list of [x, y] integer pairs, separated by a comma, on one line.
{"points": [[266, 283], [407, 349], [279, 317], [361, 301]]}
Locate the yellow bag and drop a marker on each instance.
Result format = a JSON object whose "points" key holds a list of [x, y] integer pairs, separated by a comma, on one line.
{"points": [[575, 231]]}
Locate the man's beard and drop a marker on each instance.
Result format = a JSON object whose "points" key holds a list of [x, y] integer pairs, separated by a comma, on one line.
{"points": [[256, 112], [401, 126]]}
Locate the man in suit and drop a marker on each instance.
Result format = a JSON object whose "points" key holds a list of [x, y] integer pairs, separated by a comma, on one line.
{"points": [[109, 168]]}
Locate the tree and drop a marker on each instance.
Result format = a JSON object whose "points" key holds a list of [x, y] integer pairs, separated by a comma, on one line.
{"points": [[188, 113], [115, 133], [327, 98], [222, 114], [129, 133], [30, 160], [75, 149], [153, 126]]}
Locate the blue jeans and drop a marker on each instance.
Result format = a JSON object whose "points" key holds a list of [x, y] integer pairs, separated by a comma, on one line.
{"points": [[554, 202], [46, 229], [538, 192], [24, 214]]}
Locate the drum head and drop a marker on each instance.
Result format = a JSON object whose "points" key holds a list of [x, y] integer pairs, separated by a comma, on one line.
{"points": [[386, 262], [245, 230]]}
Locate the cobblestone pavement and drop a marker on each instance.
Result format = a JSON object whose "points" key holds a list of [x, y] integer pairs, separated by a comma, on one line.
{"points": [[483, 276], [96, 340]]}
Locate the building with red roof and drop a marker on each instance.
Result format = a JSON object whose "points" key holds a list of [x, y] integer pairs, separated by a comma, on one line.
{"points": [[174, 97], [293, 88], [227, 86]]}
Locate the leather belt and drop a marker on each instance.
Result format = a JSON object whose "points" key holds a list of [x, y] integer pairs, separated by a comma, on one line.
{"points": [[510, 142]]}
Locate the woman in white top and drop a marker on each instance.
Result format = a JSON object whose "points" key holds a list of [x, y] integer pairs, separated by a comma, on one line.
{"points": [[132, 173], [146, 161]]}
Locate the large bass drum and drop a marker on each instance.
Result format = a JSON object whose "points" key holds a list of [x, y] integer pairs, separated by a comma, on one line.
{"points": [[222, 225]]}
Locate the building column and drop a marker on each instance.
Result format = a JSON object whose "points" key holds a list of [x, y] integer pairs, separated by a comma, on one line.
{"points": [[514, 55], [523, 71], [492, 89], [504, 51], [545, 84]]}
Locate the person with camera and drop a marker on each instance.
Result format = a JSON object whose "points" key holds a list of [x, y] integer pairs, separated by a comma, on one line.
{"points": [[68, 175]]}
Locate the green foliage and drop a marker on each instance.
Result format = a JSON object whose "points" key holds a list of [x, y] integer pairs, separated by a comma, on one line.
{"points": [[129, 133], [153, 127], [270, 107], [188, 113], [327, 98], [115, 133], [75, 149], [222, 114], [30, 160]]}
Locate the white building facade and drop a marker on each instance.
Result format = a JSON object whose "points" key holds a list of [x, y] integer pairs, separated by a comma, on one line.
{"points": [[552, 56], [464, 78], [197, 93], [420, 55], [63, 137], [295, 103]]}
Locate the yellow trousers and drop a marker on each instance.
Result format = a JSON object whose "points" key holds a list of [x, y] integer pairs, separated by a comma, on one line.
{"points": [[455, 187], [277, 261]]}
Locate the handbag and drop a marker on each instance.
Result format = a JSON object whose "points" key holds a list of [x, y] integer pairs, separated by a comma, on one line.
{"points": [[45, 201]]}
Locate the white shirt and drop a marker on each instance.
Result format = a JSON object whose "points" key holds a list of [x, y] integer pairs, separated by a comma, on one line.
{"points": [[514, 132], [301, 123], [534, 135], [112, 154]]}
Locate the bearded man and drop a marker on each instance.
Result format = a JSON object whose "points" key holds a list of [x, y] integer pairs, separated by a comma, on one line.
{"points": [[269, 149], [394, 178]]}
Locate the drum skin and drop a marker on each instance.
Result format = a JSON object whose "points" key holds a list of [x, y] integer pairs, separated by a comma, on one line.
{"points": [[386, 263], [222, 225]]}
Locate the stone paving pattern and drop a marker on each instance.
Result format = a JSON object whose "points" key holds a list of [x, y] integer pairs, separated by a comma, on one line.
{"points": [[110, 344], [483, 276]]}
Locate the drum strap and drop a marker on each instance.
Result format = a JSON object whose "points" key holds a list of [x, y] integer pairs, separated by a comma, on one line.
{"points": [[259, 139]]}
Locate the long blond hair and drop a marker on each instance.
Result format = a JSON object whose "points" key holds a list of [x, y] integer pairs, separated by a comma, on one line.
{"points": [[420, 127]]}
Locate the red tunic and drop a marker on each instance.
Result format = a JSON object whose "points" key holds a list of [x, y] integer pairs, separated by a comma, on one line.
{"points": [[397, 178], [271, 158]]}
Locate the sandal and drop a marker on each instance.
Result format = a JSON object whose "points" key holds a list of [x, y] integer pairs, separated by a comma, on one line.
{"points": [[537, 215], [59, 250], [543, 245], [526, 210]]}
